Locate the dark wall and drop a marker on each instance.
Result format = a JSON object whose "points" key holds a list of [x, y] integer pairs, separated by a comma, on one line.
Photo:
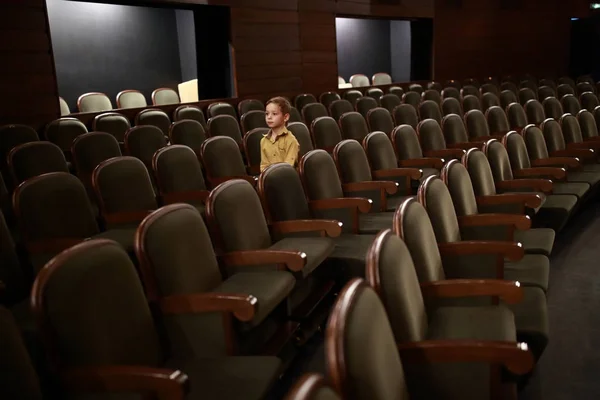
{"points": [[109, 48], [400, 49], [186, 33], [363, 46]]}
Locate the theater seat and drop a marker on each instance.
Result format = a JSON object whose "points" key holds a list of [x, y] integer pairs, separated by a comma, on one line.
{"points": [[163, 96]]}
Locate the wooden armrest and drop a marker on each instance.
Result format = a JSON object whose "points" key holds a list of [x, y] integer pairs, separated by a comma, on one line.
{"points": [[242, 306], [217, 181], [550, 172], [516, 357], [446, 153], [511, 250], [412, 173], [166, 384], [430, 162], [293, 260], [521, 222], [571, 162], [577, 152], [331, 227], [585, 146], [125, 217], [184, 197], [465, 145], [55, 245], [539, 185], [389, 186], [361, 204], [531, 200], [509, 291]]}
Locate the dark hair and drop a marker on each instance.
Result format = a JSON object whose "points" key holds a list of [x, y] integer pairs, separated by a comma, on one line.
{"points": [[282, 102]]}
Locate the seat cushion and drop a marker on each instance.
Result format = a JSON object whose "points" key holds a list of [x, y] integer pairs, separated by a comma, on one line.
{"points": [[372, 223], [317, 249], [269, 287], [582, 176], [531, 319], [350, 254], [591, 167], [247, 378], [536, 241], [578, 189], [556, 211], [531, 270]]}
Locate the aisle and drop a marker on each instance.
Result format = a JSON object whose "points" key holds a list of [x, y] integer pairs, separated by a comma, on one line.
{"points": [[569, 367]]}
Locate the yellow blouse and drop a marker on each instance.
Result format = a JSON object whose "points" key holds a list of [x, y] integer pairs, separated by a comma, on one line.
{"points": [[284, 148]]}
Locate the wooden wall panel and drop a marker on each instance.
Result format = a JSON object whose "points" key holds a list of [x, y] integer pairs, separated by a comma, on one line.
{"points": [[27, 78]]}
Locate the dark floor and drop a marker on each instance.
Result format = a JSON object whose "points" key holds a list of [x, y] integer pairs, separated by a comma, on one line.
{"points": [[570, 366]]}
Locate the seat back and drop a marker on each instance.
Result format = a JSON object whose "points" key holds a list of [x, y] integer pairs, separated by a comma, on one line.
{"points": [[469, 90], [434, 195], [553, 135], [12, 273], [177, 170], [187, 132], [295, 115], [122, 184], [565, 80], [397, 90], [570, 104], [374, 93], [587, 123], [252, 120], [252, 150], [365, 104], [571, 129], [176, 257], [225, 125], [94, 102], [583, 87], [326, 98], [237, 228], [250, 105], [412, 98], [450, 105], [163, 96], [553, 108], [64, 107], [64, 213], [303, 99], [190, 112], [143, 141], [381, 78], [282, 195], [352, 162], [435, 86], [406, 143], [353, 126], [302, 134], [35, 158], [489, 88], [380, 119], [471, 102], [359, 80], [546, 91], [451, 92], [430, 110], [390, 101], [517, 119], [311, 387], [517, 150], [454, 129], [157, 118], [12, 136], [457, 179], [526, 94], [431, 136], [325, 133], [114, 123], [564, 89], [510, 86], [499, 161], [63, 131], [412, 225], [131, 99], [319, 176], [89, 150], [77, 316], [547, 82], [406, 114], [589, 101], [476, 124], [415, 87], [534, 140], [312, 111], [432, 95], [339, 107], [380, 151], [534, 111], [497, 121], [507, 97], [359, 361], [222, 159], [352, 96], [220, 108]]}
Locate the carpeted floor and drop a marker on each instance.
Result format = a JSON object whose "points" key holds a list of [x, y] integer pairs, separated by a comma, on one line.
{"points": [[570, 367]]}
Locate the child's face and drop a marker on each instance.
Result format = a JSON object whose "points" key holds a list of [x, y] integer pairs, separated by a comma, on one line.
{"points": [[274, 117]]}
